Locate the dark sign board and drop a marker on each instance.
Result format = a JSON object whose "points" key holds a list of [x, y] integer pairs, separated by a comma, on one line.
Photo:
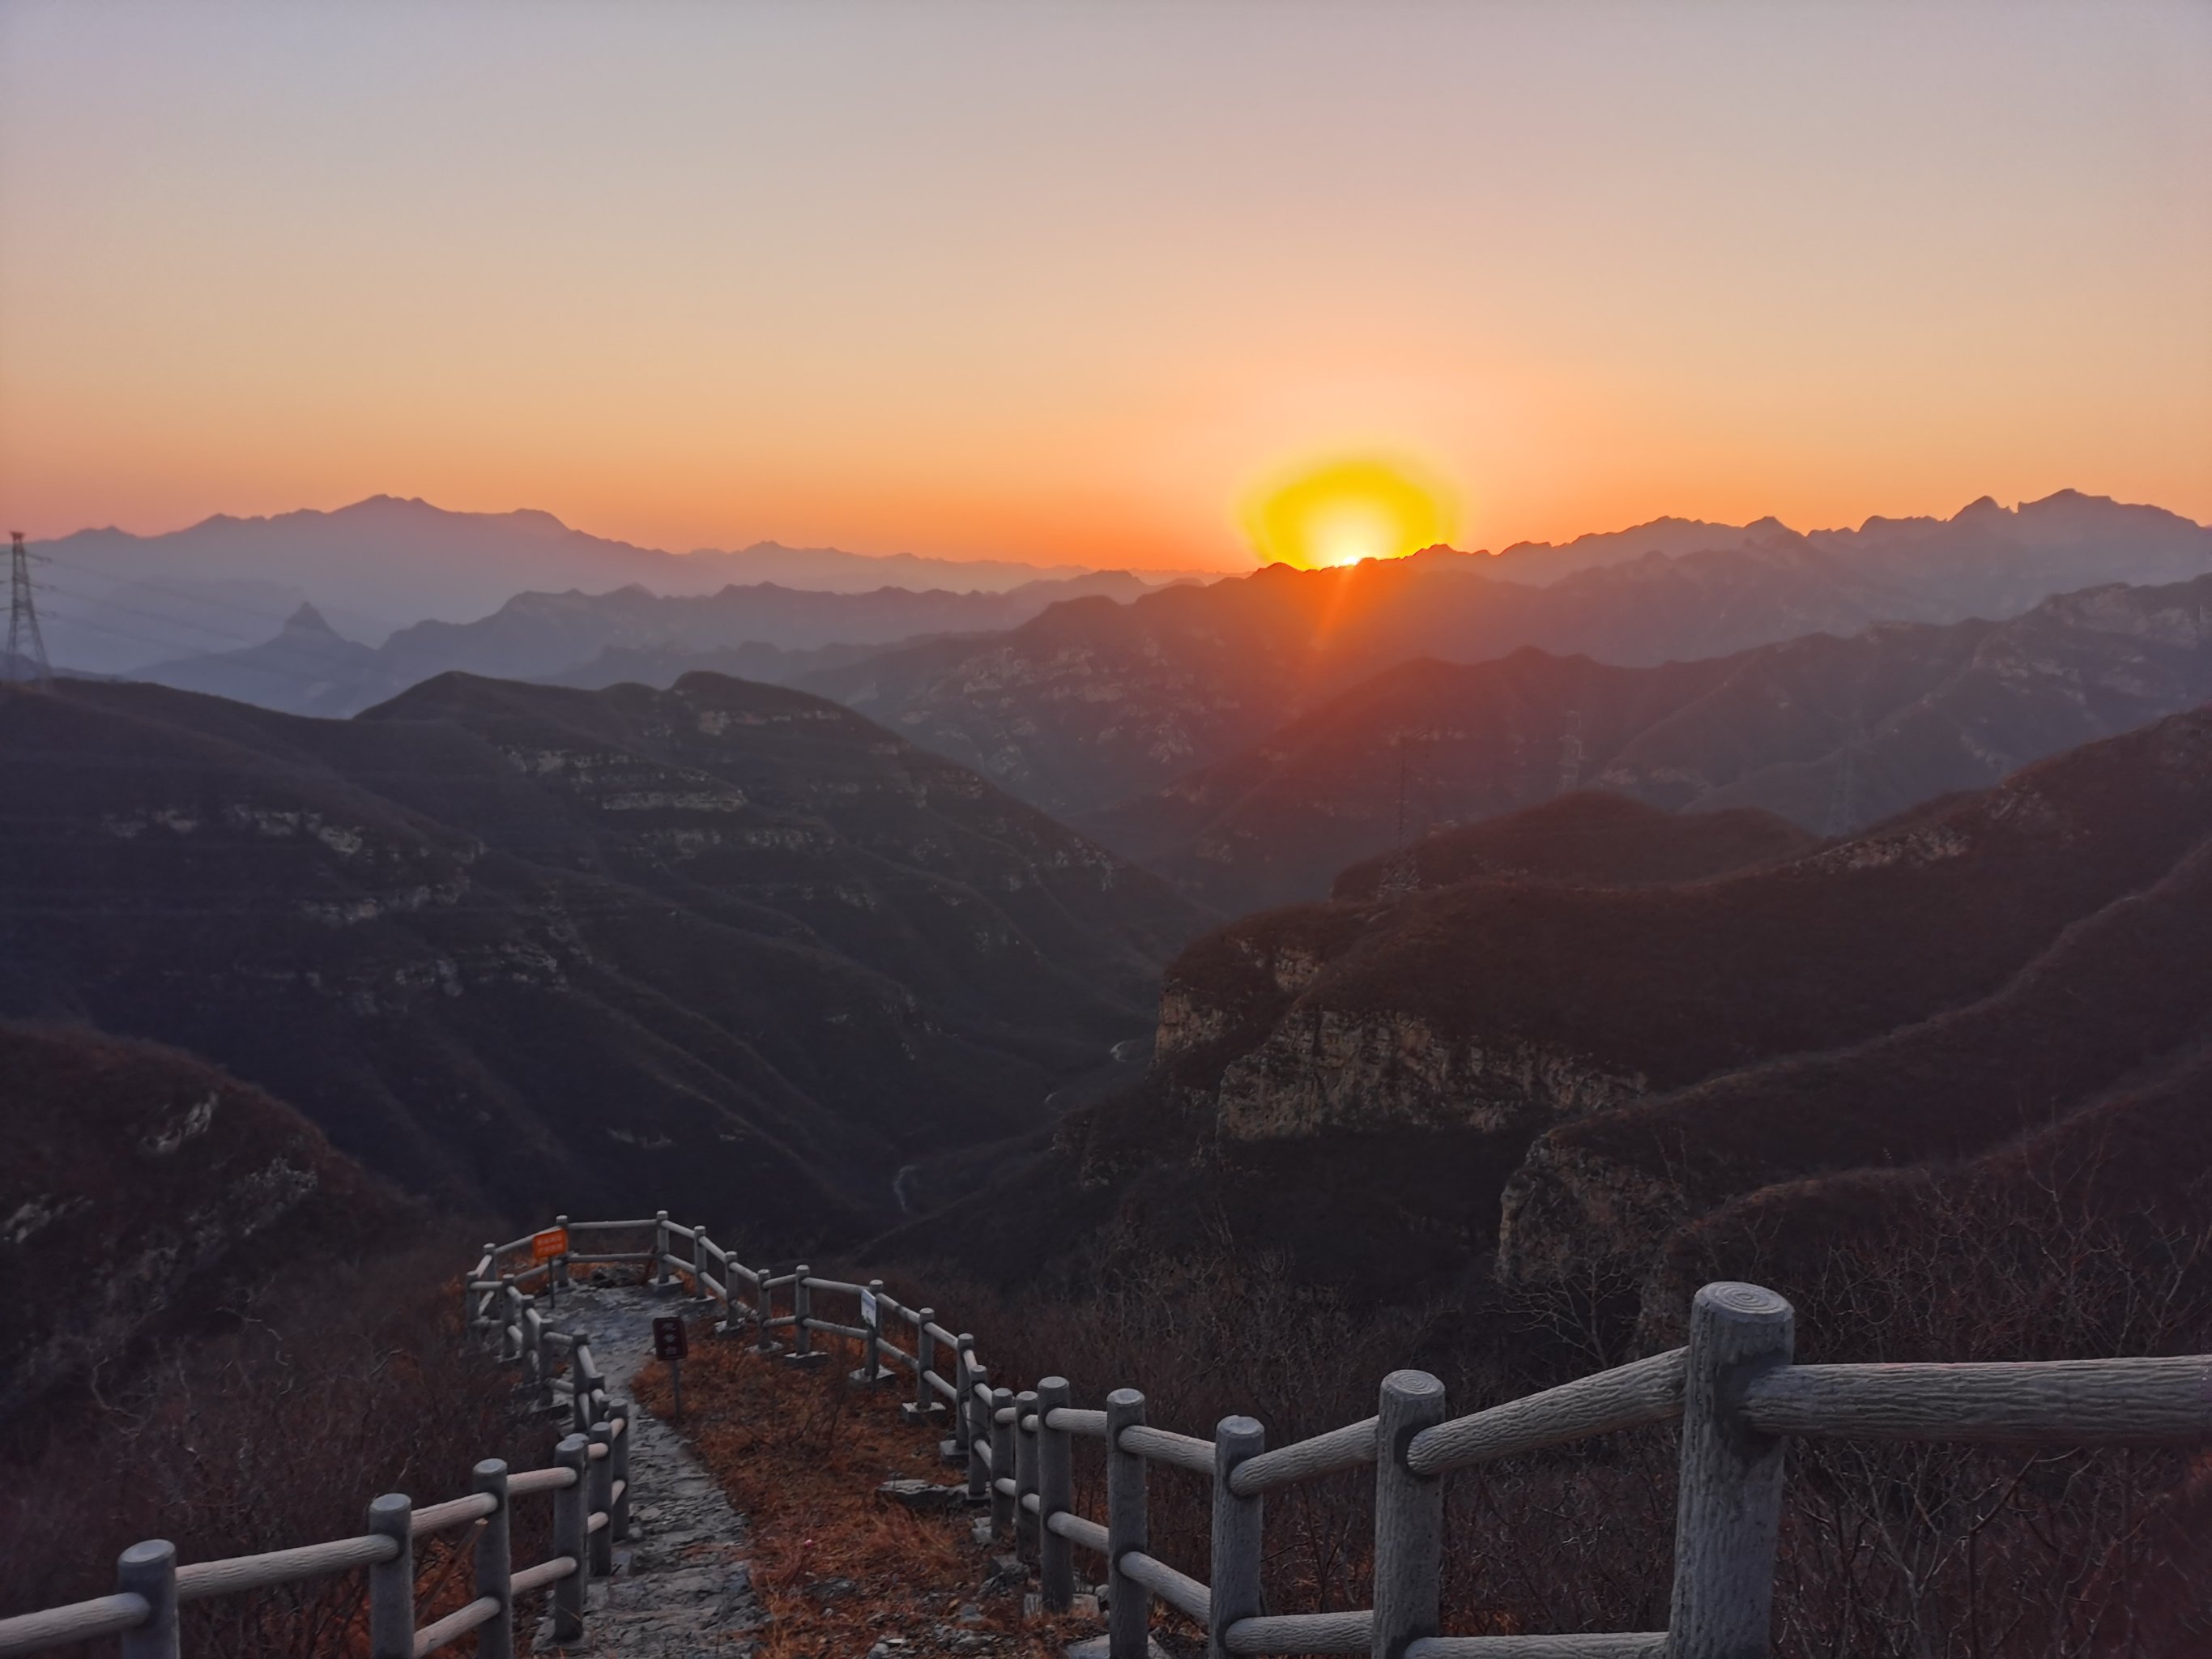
{"points": [[670, 1340]]}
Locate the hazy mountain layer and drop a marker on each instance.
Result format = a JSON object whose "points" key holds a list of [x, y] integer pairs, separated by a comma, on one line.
{"points": [[116, 601], [1832, 734], [577, 638], [726, 947], [1094, 703]]}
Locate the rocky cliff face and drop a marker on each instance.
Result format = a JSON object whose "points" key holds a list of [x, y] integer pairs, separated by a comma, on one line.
{"points": [[1564, 1071]]}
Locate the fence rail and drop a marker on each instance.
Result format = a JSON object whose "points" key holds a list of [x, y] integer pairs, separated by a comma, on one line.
{"points": [[589, 1481], [1734, 1388]]}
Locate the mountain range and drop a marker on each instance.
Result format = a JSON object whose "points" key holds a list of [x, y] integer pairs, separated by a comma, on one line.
{"points": [[522, 948], [1830, 733], [1597, 1056], [597, 638], [1093, 702], [114, 601]]}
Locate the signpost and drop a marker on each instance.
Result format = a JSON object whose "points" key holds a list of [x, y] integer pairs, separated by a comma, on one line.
{"points": [[868, 1310], [671, 1342], [550, 1245]]}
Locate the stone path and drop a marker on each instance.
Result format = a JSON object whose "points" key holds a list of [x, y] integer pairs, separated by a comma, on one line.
{"points": [[682, 1584]]}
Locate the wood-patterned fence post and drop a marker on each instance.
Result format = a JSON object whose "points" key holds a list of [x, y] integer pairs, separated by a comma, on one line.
{"points": [[488, 1302], [572, 1537], [975, 1415], [1728, 1513], [510, 1319], [1003, 1463], [1128, 1604], [925, 1361], [660, 1249], [700, 1258], [872, 1354], [802, 1314], [1055, 1494], [603, 1498], [626, 1431], [763, 1310], [967, 1425], [150, 1570], [391, 1583], [494, 1564], [1025, 1474], [1409, 1517], [556, 1273], [1237, 1522]]}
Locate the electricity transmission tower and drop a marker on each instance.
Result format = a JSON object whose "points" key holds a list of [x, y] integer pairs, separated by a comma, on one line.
{"points": [[1400, 870], [26, 648]]}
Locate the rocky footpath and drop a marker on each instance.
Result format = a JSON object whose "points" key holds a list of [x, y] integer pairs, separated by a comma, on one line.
{"points": [[682, 1580]]}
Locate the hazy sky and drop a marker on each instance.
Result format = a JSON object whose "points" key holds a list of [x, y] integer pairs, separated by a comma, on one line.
{"points": [[1058, 282]]}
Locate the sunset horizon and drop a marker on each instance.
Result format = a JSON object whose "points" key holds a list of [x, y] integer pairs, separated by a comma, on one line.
{"points": [[767, 291]]}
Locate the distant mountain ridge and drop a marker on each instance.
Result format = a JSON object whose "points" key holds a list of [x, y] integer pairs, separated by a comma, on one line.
{"points": [[1831, 734], [1092, 703], [308, 669], [381, 564]]}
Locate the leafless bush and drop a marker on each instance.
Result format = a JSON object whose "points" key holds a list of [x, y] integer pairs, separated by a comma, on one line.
{"points": [[316, 1391], [1916, 1552]]}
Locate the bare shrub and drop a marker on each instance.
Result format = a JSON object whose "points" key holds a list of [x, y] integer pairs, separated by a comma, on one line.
{"points": [[318, 1391]]}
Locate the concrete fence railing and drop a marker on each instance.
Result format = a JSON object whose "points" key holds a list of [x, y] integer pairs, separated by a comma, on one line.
{"points": [[1734, 1388], [589, 1482]]}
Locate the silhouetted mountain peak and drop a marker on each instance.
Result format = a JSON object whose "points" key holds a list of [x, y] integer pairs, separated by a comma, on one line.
{"points": [[308, 621]]}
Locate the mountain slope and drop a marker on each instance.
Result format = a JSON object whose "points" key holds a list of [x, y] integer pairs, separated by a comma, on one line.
{"points": [[1092, 703], [1600, 1056], [541, 947], [1833, 734], [140, 1182]]}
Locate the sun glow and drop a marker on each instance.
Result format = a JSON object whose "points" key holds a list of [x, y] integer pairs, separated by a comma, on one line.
{"points": [[1341, 512]]}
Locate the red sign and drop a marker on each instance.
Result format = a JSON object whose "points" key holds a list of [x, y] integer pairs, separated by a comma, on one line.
{"points": [[553, 1242], [670, 1340]]}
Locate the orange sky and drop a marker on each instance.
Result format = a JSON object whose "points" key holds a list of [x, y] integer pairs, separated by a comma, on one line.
{"points": [[1062, 282]]}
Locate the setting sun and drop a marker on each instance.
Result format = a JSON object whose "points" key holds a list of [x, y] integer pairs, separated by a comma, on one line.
{"points": [[1344, 511]]}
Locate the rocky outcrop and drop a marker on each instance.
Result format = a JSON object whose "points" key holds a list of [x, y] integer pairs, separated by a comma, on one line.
{"points": [[1323, 1068], [139, 1183]]}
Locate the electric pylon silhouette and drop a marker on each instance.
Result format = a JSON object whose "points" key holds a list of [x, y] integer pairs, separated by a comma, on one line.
{"points": [[26, 648]]}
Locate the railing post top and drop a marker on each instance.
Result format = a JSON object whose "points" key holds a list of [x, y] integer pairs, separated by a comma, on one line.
{"points": [[1238, 1428], [491, 1469], [1126, 1399], [603, 1430], [1054, 1389], [572, 1446], [961, 1339], [1737, 1304], [1002, 1396], [1027, 1396], [154, 1553], [394, 1510], [660, 1215], [561, 1220], [1412, 1385]]}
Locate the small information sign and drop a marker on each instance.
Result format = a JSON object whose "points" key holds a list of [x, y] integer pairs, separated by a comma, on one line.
{"points": [[670, 1340], [868, 1310], [553, 1242]]}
